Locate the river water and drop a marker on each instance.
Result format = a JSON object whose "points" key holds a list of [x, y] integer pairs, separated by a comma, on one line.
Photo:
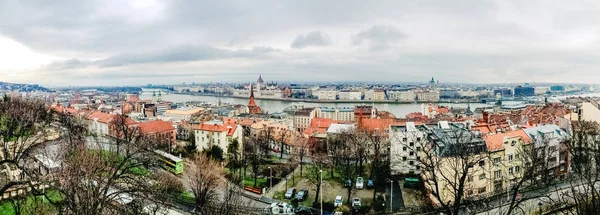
{"points": [[272, 106]]}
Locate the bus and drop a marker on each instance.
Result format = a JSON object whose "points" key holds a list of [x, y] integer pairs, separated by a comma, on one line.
{"points": [[170, 162]]}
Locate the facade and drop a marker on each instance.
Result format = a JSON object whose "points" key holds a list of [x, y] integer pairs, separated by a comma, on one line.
{"points": [[350, 95], [364, 111], [326, 94], [427, 96], [402, 96], [261, 90], [406, 145], [524, 91], [99, 123], [550, 141], [504, 92], [374, 95], [336, 113], [303, 116], [451, 146], [217, 133], [449, 94], [506, 165]]}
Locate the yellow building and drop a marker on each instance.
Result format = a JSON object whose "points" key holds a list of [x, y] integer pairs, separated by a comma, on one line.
{"points": [[506, 158]]}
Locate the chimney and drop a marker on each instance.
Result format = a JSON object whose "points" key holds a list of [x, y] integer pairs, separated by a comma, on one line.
{"points": [[485, 116]]}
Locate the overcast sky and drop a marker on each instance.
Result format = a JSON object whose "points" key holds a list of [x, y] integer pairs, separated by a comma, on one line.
{"points": [[118, 42]]}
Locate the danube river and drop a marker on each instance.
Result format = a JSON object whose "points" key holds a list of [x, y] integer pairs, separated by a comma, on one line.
{"points": [[272, 106]]}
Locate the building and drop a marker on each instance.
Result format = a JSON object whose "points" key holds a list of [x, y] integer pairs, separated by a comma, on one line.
{"points": [[182, 113], [100, 123], [430, 110], [427, 96], [217, 133], [364, 111], [449, 94], [374, 95], [506, 164], [402, 96], [521, 91], [551, 141], [326, 94], [337, 113], [303, 116], [253, 108], [261, 90], [450, 148], [350, 95], [503, 92], [406, 144], [557, 88], [159, 129]]}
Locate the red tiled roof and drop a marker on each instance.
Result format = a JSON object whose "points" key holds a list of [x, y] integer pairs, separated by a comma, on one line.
{"points": [[101, 117], [373, 124], [319, 122], [157, 126], [62, 109], [229, 128], [495, 142]]}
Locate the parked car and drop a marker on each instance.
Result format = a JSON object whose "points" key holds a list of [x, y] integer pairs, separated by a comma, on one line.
{"points": [[281, 208], [370, 184], [290, 193], [347, 183], [356, 202], [359, 183], [301, 195], [338, 201]]}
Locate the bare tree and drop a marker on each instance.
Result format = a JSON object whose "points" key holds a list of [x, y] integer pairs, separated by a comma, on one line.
{"points": [[377, 145], [24, 127], [204, 182], [451, 163], [345, 159]]}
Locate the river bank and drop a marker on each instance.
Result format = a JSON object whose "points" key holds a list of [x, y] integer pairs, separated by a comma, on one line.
{"points": [[456, 101]]}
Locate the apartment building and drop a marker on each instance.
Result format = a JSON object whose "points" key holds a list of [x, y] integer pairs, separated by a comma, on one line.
{"points": [[303, 116], [374, 95], [402, 96], [337, 113], [406, 144], [217, 133], [350, 95], [506, 164]]}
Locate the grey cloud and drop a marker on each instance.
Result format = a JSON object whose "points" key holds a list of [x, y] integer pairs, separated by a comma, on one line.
{"points": [[379, 36], [178, 54], [314, 38]]}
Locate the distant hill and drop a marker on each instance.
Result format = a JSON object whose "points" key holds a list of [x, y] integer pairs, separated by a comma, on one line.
{"points": [[22, 87]]}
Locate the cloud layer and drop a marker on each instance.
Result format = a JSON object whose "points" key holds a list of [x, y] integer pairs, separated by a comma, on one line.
{"points": [[114, 42]]}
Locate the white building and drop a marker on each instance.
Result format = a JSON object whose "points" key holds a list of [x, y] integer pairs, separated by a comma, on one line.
{"points": [[428, 96], [337, 113], [261, 90], [182, 113], [302, 118], [374, 95], [403, 96], [350, 95], [326, 94], [216, 133], [406, 146]]}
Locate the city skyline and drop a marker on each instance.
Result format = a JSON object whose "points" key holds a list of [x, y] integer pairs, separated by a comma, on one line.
{"points": [[111, 43]]}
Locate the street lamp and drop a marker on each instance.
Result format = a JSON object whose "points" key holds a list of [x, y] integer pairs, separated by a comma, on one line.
{"points": [[271, 178], [540, 206], [321, 188], [391, 194]]}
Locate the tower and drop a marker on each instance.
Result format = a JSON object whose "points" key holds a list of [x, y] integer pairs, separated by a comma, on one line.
{"points": [[252, 107]]}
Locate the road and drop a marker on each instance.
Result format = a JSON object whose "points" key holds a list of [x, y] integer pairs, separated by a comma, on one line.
{"points": [[550, 196]]}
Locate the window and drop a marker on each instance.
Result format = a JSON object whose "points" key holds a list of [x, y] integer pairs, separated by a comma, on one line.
{"points": [[418, 167], [562, 167], [481, 190], [469, 192], [404, 148], [496, 161], [510, 157], [404, 139], [497, 174], [481, 163], [411, 144], [469, 178], [411, 163], [418, 148], [411, 153], [404, 158], [482, 177], [418, 139], [517, 156], [513, 143], [510, 170]]}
